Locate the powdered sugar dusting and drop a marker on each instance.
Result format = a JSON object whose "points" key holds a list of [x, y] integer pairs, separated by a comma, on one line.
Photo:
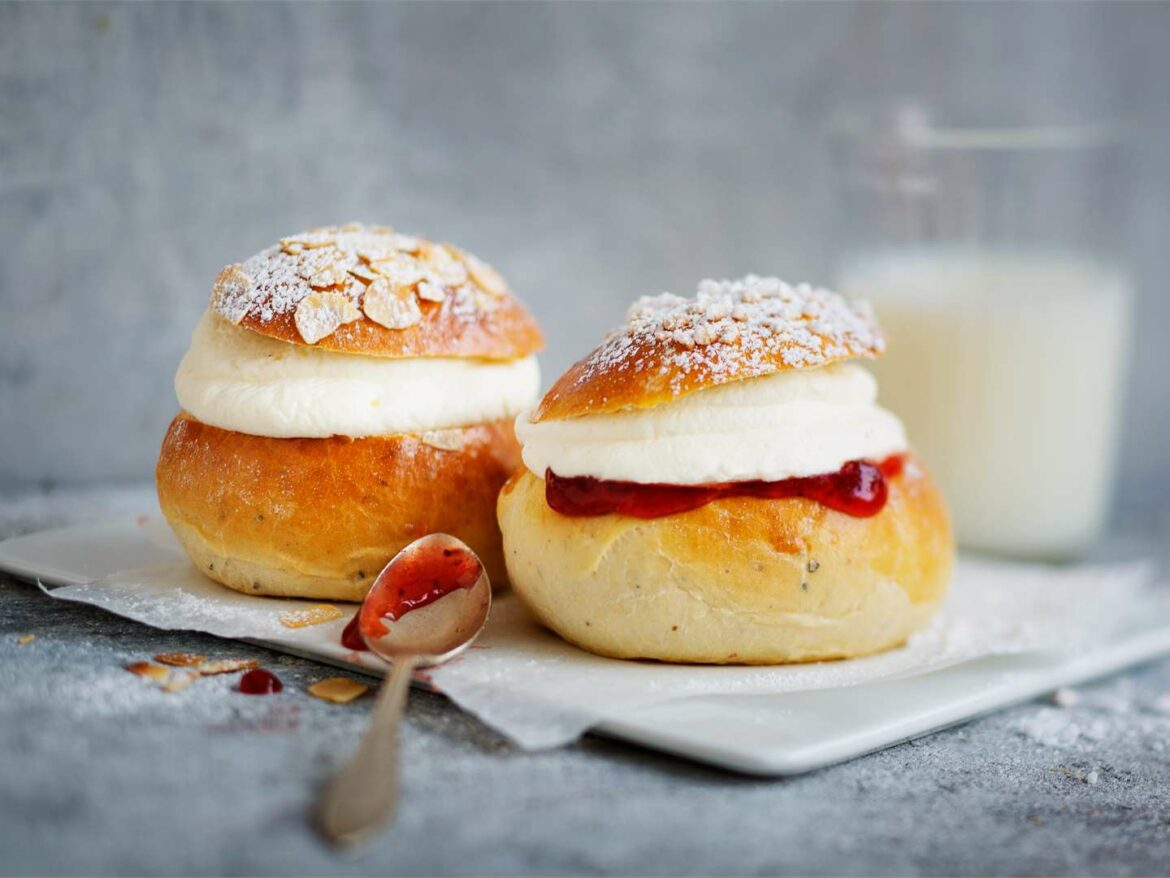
{"points": [[742, 328], [343, 261]]}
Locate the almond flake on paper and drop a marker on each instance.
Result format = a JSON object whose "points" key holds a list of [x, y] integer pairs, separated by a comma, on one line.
{"points": [[180, 659], [227, 666], [317, 615], [146, 669], [394, 307], [339, 690], [178, 682], [320, 314]]}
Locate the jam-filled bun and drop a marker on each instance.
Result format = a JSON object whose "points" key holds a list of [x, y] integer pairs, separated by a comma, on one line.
{"points": [[349, 390], [716, 484], [318, 518], [740, 580]]}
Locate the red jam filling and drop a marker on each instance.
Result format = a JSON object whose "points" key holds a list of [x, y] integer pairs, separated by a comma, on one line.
{"points": [[419, 579], [260, 682], [859, 489]]}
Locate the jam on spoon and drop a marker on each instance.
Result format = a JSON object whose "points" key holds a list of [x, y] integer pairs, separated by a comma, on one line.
{"points": [[859, 489], [420, 579]]}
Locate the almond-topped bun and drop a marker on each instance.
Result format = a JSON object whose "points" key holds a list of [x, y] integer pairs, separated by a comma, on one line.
{"points": [[716, 483], [348, 391]]}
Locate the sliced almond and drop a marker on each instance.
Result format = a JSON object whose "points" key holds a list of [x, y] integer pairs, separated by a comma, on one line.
{"points": [[444, 440], [429, 291], [485, 277], [394, 307], [407, 243], [484, 302], [363, 272], [227, 666], [379, 252], [445, 264], [229, 293], [180, 659], [401, 268], [178, 682], [312, 240], [146, 669], [293, 248], [339, 690], [330, 275], [320, 314], [311, 616]]}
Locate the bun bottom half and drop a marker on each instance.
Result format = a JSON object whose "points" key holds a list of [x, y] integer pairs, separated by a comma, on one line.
{"points": [[737, 581], [319, 518]]}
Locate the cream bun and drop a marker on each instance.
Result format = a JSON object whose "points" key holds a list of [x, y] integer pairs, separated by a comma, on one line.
{"points": [[716, 483], [348, 390]]}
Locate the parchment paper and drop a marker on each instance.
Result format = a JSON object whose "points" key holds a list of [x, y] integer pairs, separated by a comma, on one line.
{"points": [[542, 692]]}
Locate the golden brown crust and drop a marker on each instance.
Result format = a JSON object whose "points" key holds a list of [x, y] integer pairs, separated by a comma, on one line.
{"points": [[368, 290], [507, 334], [320, 517], [729, 331], [740, 580]]}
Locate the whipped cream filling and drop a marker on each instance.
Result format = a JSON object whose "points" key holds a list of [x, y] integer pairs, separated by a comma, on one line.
{"points": [[800, 422], [240, 380]]}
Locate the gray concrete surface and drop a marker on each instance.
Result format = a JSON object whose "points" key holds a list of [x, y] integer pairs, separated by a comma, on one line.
{"points": [[101, 774], [595, 152]]}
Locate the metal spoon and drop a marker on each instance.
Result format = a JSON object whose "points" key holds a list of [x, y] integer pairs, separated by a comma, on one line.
{"points": [[361, 799]]}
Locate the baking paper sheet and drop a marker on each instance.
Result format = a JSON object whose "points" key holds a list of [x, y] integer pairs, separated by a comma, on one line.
{"points": [[542, 692]]}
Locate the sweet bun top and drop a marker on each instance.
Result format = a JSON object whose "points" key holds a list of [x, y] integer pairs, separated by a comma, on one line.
{"points": [[370, 290], [730, 330]]}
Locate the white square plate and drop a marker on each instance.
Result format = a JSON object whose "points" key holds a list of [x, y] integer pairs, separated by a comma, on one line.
{"points": [[771, 735]]}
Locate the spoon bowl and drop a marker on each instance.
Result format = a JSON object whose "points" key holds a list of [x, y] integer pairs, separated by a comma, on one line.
{"points": [[442, 622]]}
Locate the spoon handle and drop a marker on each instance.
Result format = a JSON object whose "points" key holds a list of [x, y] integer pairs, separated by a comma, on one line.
{"points": [[362, 797]]}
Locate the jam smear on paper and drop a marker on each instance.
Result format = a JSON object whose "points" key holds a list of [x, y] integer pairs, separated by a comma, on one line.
{"points": [[260, 682]]}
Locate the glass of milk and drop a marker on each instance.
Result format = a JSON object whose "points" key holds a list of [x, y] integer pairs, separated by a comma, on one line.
{"points": [[992, 259]]}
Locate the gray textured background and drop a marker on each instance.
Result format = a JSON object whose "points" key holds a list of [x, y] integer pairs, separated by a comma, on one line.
{"points": [[594, 152]]}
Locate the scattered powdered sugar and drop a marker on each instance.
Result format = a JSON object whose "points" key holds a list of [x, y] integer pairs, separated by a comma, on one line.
{"points": [[741, 328], [1115, 712]]}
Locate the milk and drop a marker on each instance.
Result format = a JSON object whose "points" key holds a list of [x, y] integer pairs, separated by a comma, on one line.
{"points": [[1007, 370]]}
